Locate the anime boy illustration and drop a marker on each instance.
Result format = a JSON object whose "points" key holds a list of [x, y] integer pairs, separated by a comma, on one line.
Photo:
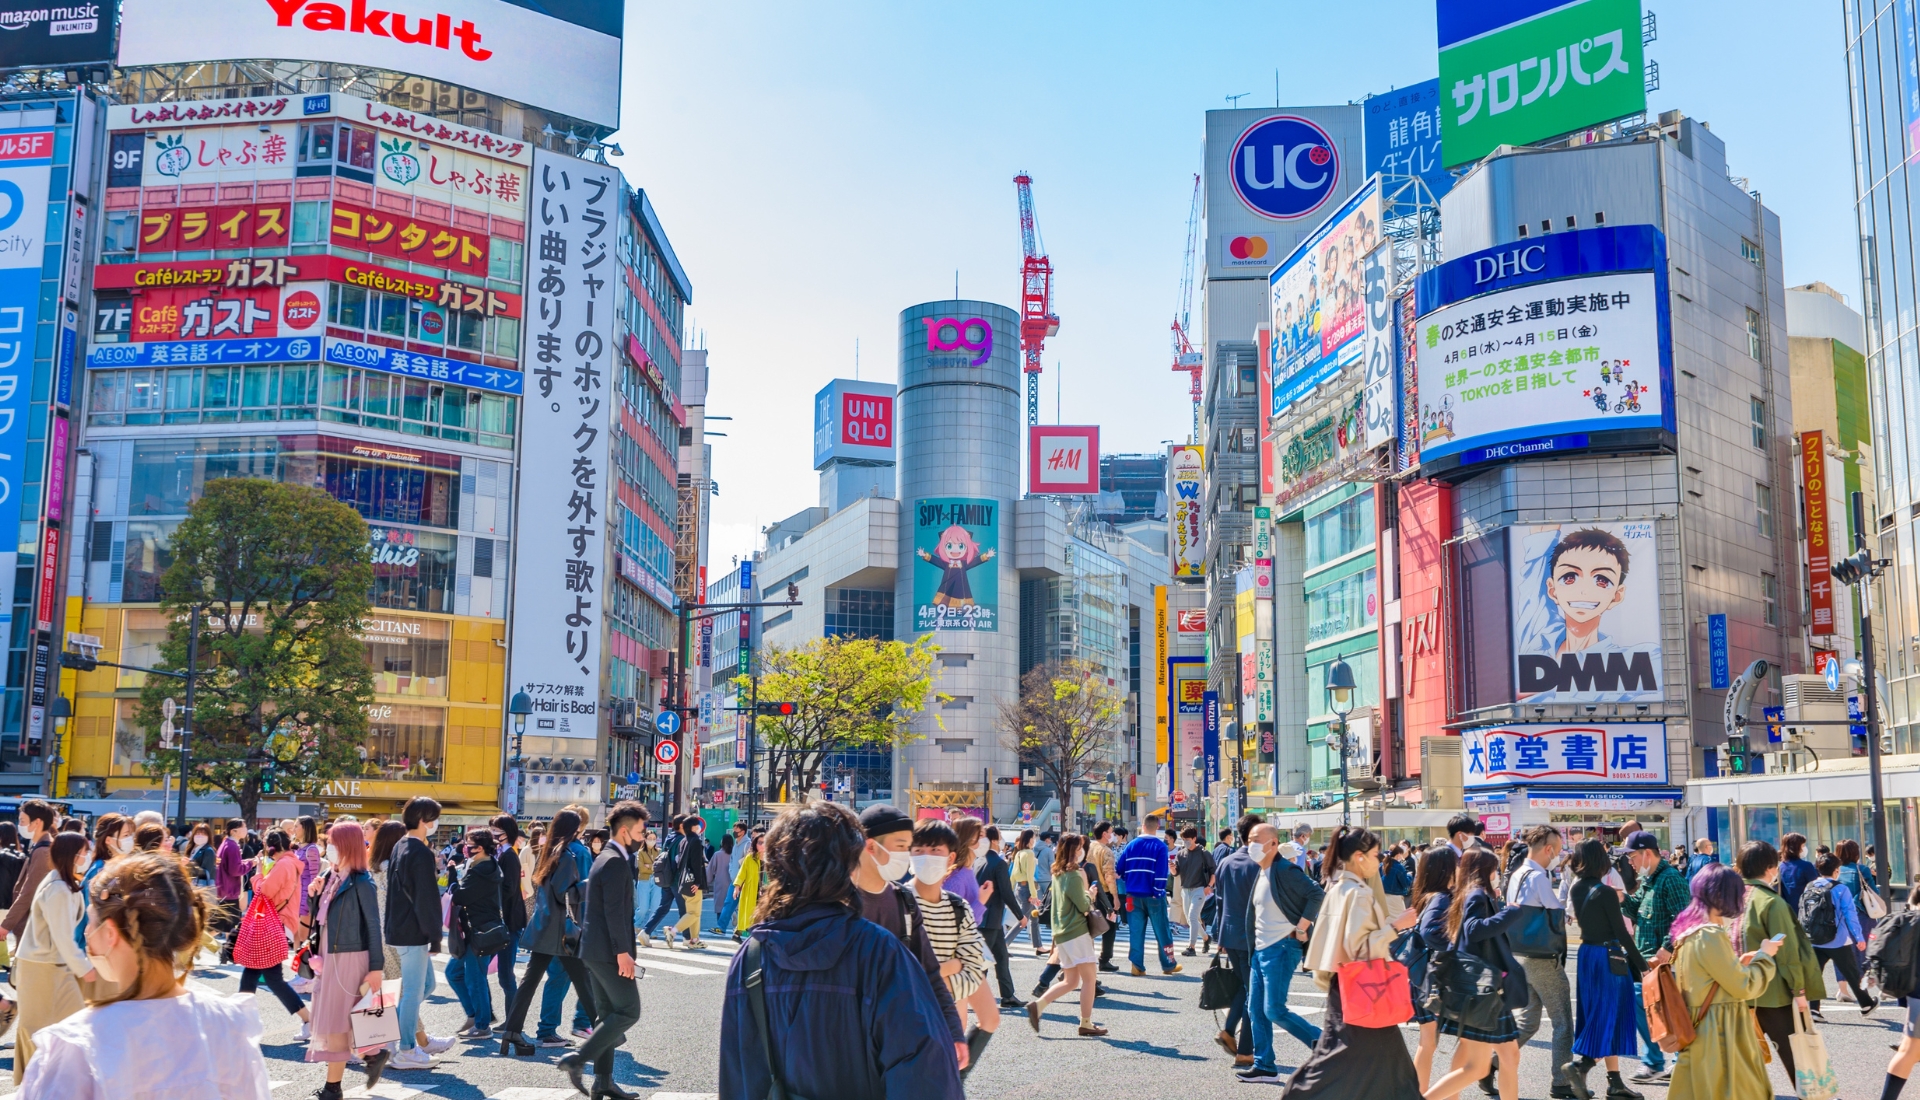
{"points": [[1566, 584], [1586, 578], [955, 554]]}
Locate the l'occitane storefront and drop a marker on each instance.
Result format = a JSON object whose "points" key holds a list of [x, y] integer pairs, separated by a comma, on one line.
{"points": [[434, 727]]}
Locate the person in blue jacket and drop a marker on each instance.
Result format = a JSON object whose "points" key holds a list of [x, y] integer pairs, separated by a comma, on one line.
{"points": [[849, 1013], [1432, 897], [1796, 870], [1477, 924]]}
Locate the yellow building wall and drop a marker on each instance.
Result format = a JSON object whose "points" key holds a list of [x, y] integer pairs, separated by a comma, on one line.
{"points": [[474, 704]]}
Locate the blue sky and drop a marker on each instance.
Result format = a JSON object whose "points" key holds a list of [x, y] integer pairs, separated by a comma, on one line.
{"points": [[820, 167]]}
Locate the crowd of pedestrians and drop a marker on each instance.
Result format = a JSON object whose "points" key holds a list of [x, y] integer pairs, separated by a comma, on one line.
{"points": [[877, 948]]}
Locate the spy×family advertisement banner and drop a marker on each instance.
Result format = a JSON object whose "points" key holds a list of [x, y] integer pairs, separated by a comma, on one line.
{"points": [[955, 584]]}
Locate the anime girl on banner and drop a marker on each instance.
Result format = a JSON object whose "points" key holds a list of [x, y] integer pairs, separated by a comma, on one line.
{"points": [[953, 537], [1586, 613]]}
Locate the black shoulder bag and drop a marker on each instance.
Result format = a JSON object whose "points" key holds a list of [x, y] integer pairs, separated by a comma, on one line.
{"points": [[1220, 986], [1541, 934], [757, 1004]]}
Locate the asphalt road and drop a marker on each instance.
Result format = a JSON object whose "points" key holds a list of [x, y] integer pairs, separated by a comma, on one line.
{"points": [[1161, 1045]]}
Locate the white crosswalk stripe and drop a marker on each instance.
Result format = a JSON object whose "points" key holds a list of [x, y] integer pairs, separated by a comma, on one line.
{"points": [[653, 953]]}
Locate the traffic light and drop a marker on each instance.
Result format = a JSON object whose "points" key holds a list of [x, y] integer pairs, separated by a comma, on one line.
{"points": [[793, 592], [79, 661], [776, 710], [266, 780], [1737, 755], [1854, 568]]}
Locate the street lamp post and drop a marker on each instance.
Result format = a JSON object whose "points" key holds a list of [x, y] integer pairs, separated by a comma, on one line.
{"points": [[59, 710], [1340, 692], [519, 707], [1859, 570]]}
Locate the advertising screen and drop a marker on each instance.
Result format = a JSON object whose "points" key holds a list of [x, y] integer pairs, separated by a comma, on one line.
{"points": [[955, 584], [1403, 135], [563, 58], [1586, 612], [1063, 460], [1319, 297], [1522, 70], [1604, 754], [35, 35], [566, 471], [853, 420], [26, 160], [1185, 469], [1520, 344], [1270, 177]]}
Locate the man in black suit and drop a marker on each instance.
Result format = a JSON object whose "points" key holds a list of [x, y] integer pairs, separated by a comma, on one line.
{"points": [[606, 948], [994, 928]]}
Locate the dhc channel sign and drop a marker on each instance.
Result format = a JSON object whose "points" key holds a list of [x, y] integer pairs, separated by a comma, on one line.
{"points": [[1285, 167]]}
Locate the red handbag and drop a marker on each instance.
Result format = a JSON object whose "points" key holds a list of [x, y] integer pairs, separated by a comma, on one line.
{"points": [[262, 943], [1375, 993]]}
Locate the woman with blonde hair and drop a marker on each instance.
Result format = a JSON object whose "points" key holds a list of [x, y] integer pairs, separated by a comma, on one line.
{"points": [[148, 924], [50, 965], [347, 910]]}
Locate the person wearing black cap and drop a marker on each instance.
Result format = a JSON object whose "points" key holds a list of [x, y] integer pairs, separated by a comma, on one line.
{"points": [[1658, 898], [890, 905]]}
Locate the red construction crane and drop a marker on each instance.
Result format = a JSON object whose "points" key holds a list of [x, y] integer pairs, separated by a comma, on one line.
{"points": [[1037, 319], [1185, 358]]}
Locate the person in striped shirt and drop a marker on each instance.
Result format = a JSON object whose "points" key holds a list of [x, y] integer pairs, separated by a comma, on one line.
{"points": [[952, 933]]}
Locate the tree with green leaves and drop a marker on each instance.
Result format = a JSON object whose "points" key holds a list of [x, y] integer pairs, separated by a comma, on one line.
{"points": [[279, 577], [850, 693], [1066, 723]]}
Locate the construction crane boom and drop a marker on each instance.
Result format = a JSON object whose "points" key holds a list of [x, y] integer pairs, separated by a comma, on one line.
{"points": [[1185, 358], [1037, 319]]}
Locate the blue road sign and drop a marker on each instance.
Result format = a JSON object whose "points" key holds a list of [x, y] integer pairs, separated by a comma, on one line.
{"points": [[667, 722]]}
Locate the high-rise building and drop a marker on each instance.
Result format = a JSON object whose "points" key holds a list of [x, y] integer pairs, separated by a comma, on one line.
{"points": [[1132, 488]]}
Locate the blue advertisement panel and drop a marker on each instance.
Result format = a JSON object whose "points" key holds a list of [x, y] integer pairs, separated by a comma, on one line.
{"points": [[1210, 742], [1567, 334], [1717, 648], [413, 364], [1403, 135], [1318, 299], [26, 160], [186, 353]]}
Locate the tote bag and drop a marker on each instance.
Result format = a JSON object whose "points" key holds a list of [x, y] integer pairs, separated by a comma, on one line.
{"points": [[1813, 1076], [1375, 993], [262, 942], [375, 1020]]}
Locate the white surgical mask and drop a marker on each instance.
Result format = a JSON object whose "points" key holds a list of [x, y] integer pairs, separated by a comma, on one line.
{"points": [[896, 867], [931, 870], [333, 854], [124, 843], [1256, 851]]}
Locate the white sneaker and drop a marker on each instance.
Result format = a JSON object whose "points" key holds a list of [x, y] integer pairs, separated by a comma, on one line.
{"points": [[669, 938], [437, 1045], [300, 985], [646, 940], [306, 1032], [412, 1058]]}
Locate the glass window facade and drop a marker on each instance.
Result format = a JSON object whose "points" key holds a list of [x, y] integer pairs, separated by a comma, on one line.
{"points": [[1340, 530], [860, 613]]}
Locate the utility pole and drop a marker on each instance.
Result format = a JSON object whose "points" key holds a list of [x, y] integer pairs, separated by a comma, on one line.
{"points": [[1860, 571], [186, 726]]}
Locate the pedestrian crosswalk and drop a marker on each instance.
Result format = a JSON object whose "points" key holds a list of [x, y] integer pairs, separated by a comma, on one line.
{"points": [[396, 1090]]}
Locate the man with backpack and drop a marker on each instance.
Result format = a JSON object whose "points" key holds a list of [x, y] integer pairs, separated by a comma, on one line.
{"points": [[1794, 966], [882, 900], [666, 872]]}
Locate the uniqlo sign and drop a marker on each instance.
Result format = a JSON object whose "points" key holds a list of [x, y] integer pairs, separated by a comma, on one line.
{"points": [[563, 58], [853, 420], [1813, 471], [1063, 460]]}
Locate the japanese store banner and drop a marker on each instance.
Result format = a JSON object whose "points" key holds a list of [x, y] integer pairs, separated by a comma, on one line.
{"points": [[246, 152], [25, 165], [195, 228], [1586, 612], [956, 582], [1185, 470], [566, 472], [1528, 341], [570, 64], [196, 313], [404, 237], [1604, 753], [1813, 472], [439, 174]]}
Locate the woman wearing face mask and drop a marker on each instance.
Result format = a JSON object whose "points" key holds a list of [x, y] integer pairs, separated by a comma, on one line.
{"points": [[553, 932], [147, 925], [112, 838], [308, 852], [951, 931], [347, 909], [476, 908], [200, 855], [646, 892], [51, 964], [279, 882], [1073, 947]]}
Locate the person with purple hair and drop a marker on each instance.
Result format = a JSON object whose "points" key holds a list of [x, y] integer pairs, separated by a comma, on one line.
{"points": [[1725, 1061]]}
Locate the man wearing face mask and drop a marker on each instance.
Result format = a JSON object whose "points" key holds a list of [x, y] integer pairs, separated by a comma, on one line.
{"points": [[890, 905]]}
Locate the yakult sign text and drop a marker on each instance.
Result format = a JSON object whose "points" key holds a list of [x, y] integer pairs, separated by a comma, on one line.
{"points": [[566, 470], [570, 65]]}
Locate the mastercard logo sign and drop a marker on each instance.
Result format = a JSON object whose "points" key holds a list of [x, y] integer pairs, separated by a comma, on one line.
{"points": [[1247, 248], [302, 309]]}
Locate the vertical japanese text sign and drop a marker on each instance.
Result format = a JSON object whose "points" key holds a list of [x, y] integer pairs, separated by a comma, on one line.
{"points": [[26, 165], [567, 420], [1813, 468]]}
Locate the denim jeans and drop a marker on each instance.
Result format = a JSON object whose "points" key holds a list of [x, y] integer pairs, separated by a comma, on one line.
{"points": [[509, 984], [1147, 909], [729, 909], [416, 967], [1651, 1056], [1239, 1023], [553, 998], [1267, 985], [660, 912], [646, 895], [468, 976]]}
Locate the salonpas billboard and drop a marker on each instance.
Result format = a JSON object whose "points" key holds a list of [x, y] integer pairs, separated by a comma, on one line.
{"points": [[1519, 71]]}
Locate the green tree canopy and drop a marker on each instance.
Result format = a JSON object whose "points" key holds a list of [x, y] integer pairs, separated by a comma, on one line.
{"points": [[851, 693], [279, 576], [1065, 722]]}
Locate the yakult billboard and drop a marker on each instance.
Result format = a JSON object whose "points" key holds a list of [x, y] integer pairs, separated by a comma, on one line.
{"points": [[568, 62]]}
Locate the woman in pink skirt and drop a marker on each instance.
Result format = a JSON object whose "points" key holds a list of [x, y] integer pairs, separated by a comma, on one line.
{"points": [[351, 957]]}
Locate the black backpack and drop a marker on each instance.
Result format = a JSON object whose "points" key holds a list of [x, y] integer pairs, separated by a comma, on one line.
{"points": [[1817, 914], [1894, 950]]}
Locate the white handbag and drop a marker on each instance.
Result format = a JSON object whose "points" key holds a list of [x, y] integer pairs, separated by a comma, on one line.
{"points": [[1813, 1076], [375, 1020]]}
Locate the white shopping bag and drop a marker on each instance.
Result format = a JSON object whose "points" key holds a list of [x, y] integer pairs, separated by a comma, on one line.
{"points": [[375, 1020]]}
